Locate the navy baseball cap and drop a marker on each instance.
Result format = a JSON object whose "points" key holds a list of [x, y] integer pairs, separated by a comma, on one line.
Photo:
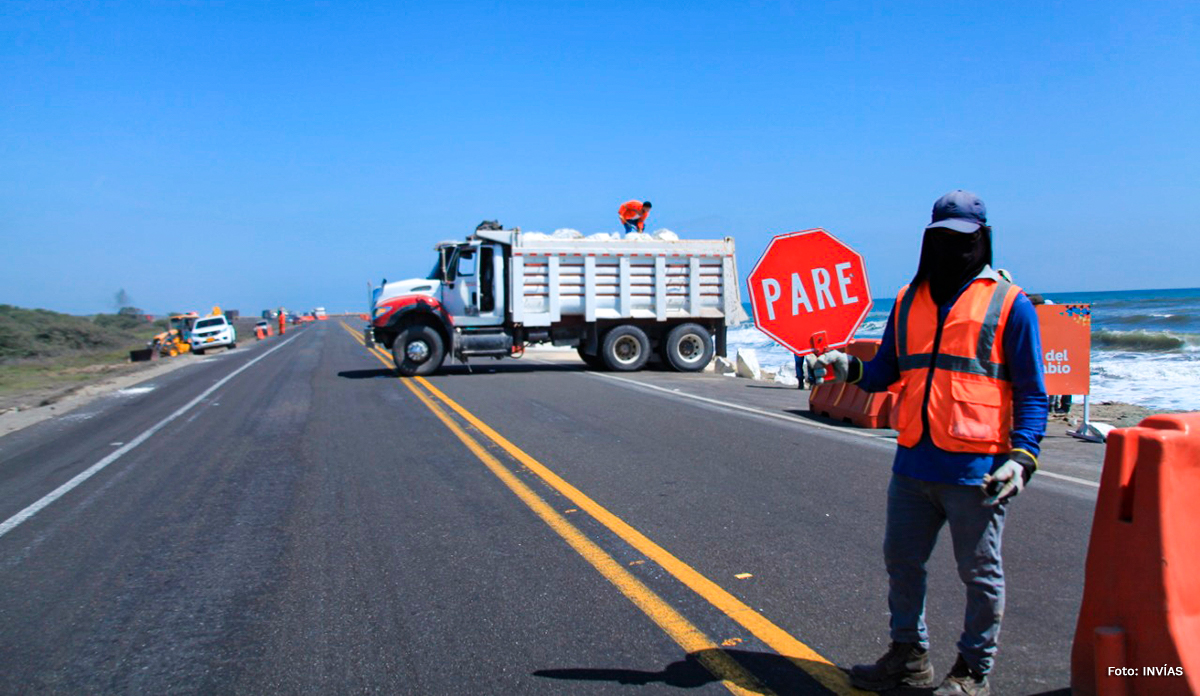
{"points": [[961, 211]]}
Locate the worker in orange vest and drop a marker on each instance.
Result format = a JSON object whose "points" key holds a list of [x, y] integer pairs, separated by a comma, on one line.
{"points": [[633, 215], [963, 343]]}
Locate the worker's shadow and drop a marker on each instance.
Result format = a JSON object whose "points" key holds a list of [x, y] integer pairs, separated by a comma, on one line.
{"points": [[771, 673], [368, 374]]}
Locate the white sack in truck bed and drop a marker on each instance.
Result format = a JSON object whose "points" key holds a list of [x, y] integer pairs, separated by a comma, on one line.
{"points": [[622, 279]]}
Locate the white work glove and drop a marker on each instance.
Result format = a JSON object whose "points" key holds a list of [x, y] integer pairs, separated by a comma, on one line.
{"points": [[1009, 478], [836, 360]]}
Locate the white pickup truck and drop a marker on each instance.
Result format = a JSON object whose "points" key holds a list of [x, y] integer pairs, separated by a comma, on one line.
{"points": [[215, 331], [619, 302]]}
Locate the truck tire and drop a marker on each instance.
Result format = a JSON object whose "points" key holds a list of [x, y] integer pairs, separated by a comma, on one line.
{"points": [[625, 349], [198, 351], [233, 345], [418, 350], [688, 348], [594, 362]]}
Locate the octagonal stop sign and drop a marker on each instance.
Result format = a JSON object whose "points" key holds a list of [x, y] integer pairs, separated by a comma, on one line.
{"points": [[809, 291]]}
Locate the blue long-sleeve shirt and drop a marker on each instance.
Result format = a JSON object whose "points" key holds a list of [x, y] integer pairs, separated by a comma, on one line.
{"points": [[1022, 353]]}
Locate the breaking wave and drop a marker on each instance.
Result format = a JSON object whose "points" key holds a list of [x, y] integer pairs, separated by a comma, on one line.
{"points": [[1146, 341]]}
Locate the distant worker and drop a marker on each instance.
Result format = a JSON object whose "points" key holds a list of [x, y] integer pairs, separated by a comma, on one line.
{"points": [[633, 215], [963, 343]]}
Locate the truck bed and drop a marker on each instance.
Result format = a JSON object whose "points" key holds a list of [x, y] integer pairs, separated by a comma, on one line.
{"points": [[623, 279]]}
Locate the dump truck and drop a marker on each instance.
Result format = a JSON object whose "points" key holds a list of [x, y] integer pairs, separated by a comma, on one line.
{"points": [[619, 302]]}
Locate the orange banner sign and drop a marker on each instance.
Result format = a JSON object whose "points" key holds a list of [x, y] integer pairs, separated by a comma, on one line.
{"points": [[1066, 347]]}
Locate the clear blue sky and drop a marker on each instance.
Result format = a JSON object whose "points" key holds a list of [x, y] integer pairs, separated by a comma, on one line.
{"points": [[259, 154]]}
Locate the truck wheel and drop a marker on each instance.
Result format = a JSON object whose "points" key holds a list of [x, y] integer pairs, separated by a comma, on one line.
{"points": [[688, 348], [418, 350], [594, 362], [232, 346], [198, 351], [625, 349]]}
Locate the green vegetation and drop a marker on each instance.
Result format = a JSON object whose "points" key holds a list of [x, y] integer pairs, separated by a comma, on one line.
{"points": [[40, 349], [39, 333]]}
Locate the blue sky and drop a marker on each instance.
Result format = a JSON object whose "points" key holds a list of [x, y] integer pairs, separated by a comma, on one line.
{"points": [[259, 154]]}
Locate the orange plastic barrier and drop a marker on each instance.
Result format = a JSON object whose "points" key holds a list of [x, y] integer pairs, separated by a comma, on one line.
{"points": [[1139, 624], [259, 333], [848, 403]]}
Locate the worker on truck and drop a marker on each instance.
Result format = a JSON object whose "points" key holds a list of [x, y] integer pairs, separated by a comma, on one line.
{"points": [[963, 343], [633, 215]]}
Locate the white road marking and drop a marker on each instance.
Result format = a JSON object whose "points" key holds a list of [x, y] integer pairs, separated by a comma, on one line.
{"points": [[92, 470], [748, 409], [805, 422], [134, 391], [1064, 477]]}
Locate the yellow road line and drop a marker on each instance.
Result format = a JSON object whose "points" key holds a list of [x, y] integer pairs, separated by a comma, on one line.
{"points": [[804, 657], [733, 676], [780, 640]]}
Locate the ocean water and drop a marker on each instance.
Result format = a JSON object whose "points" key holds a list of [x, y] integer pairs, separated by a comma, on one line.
{"points": [[1145, 344]]}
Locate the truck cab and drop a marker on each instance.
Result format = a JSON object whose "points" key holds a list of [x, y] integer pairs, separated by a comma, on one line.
{"points": [[470, 282]]}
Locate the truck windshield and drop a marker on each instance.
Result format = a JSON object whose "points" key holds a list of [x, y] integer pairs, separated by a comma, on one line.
{"points": [[209, 323]]}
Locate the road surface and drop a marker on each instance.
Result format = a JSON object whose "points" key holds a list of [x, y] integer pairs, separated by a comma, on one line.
{"points": [[290, 517]]}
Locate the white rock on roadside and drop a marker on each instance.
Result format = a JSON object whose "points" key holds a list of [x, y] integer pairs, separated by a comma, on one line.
{"points": [[747, 364], [787, 375], [723, 366]]}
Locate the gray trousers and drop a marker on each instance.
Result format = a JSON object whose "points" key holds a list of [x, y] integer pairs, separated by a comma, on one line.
{"points": [[916, 511]]}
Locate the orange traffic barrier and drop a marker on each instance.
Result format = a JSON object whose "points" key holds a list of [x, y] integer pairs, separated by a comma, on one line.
{"points": [[822, 397], [1139, 623], [848, 403], [259, 333]]}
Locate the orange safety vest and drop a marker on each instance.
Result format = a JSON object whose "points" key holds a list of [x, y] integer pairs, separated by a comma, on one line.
{"points": [[954, 377]]}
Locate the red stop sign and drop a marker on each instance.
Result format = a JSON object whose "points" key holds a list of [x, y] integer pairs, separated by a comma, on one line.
{"points": [[809, 291]]}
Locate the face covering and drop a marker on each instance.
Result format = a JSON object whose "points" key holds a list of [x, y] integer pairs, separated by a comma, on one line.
{"points": [[949, 259]]}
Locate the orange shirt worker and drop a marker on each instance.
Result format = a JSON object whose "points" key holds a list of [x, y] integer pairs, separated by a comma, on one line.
{"points": [[633, 215]]}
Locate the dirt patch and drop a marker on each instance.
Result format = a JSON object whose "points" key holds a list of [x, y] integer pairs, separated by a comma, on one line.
{"points": [[1115, 413]]}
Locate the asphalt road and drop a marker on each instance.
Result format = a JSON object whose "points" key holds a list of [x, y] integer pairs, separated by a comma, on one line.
{"points": [[290, 517]]}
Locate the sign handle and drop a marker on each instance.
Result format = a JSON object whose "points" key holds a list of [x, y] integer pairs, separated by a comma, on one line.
{"points": [[820, 346], [819, 343]]}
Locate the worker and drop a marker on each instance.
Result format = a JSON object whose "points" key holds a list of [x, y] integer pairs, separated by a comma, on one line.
{"points": [[963, 343], [633, 215]]}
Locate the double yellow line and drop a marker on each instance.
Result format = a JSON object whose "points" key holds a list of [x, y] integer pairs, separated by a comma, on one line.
{"points": [[732, 674]]}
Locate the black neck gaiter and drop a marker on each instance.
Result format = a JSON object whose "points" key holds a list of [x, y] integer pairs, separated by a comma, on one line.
{"points": [[950, 259]]}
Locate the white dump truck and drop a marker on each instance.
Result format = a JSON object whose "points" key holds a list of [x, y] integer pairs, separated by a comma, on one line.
{"points": [[620, 302]]}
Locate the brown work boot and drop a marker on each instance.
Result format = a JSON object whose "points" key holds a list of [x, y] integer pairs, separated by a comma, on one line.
{"points": [[904, 664], [963, 681]]}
